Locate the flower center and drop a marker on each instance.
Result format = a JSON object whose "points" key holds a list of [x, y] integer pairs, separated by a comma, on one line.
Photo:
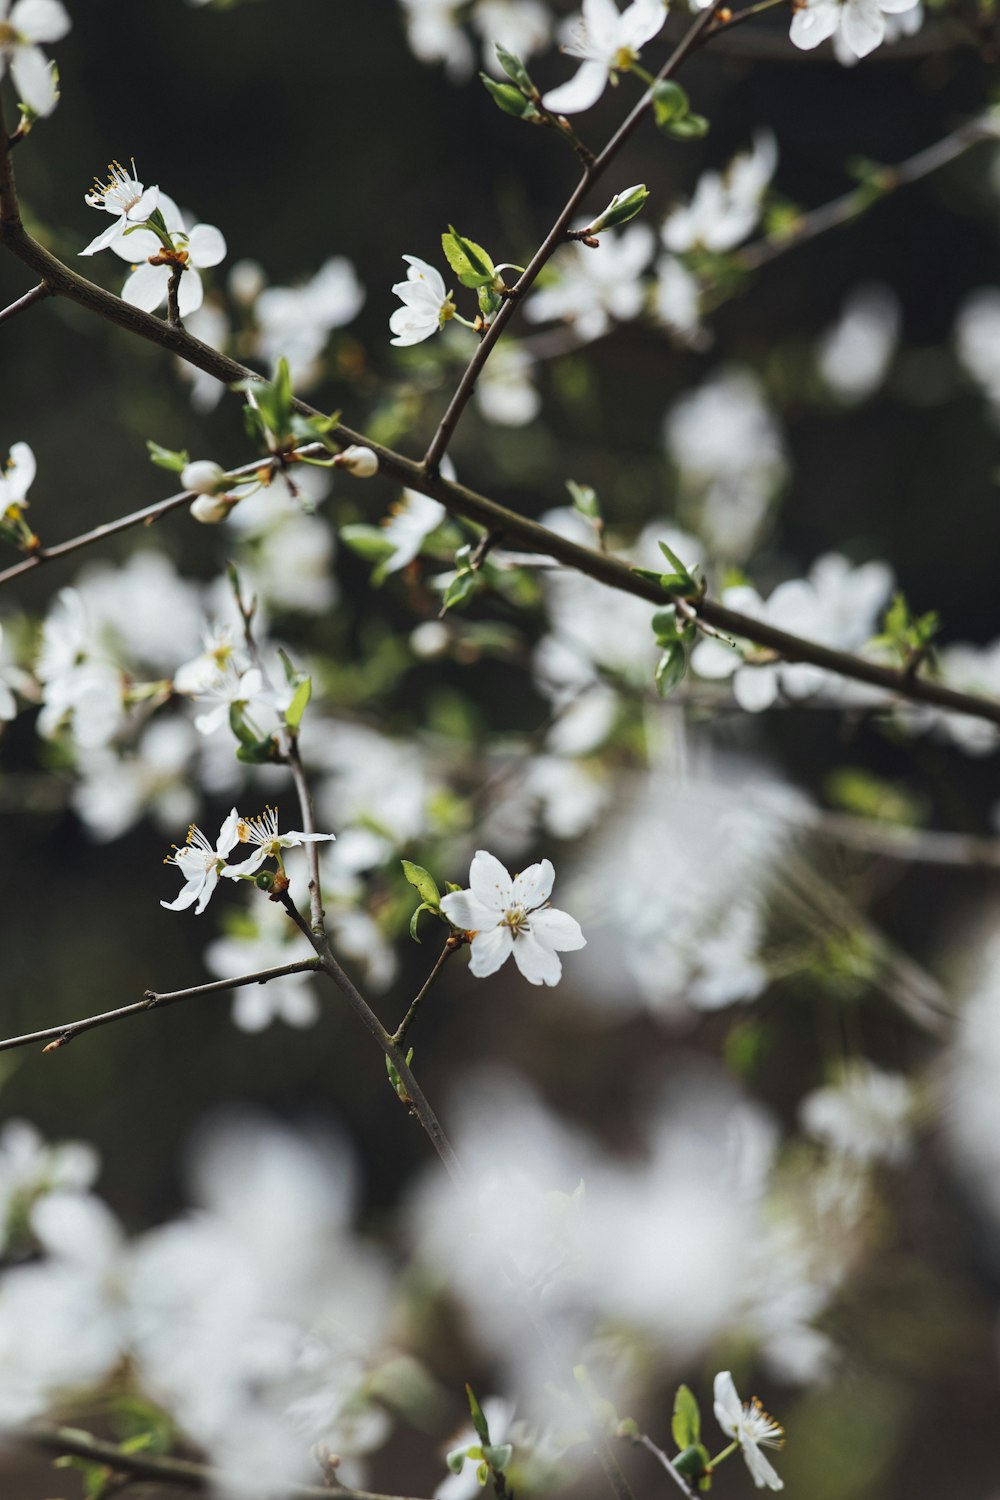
{"points": [[120, 193], [8, 36], [516, 919]]}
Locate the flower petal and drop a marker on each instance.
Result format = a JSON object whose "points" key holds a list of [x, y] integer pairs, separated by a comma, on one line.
{"points": [[557, 929], [146, 287], [728, 1407], [40, 20], [533, 885], [490, 883], [538, 963], [489, 950], [582, 90], [465, 912], [189, 293], [207, 245], [35, 79]]}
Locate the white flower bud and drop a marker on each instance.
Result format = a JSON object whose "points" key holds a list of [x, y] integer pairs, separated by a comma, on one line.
{"points": [[211, 509], [204, 476], [361, 462]]}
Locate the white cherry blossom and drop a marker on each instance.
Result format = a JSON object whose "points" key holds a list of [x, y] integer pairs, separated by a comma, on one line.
{"points": [[606, 40], [726, 205], [748, 1424], [22, 27], [17, 476], [195, 249], [263, 831], [201, 864], [427, 306], [509, 916], [596, 288], [124, 197], [859, 24]]}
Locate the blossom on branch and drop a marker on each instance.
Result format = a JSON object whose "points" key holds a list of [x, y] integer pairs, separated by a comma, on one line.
{"points": [[607, 41], [859, 24], [508, 916], [195, 249], [123, 196], [427, 306], [21, 28], [263, 831], [201, 865], [748, 1424]]}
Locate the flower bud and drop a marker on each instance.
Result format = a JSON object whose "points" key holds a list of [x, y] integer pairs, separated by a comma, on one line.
{"points": [[361, 462], [211, 509], [204, 477]]}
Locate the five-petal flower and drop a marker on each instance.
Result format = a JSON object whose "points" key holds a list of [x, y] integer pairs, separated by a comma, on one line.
{"points": [[263, 831], [195, 249], [607, 41], [124, 196], [748, 1424], [201, 865], [427, 305], [508, 916]]}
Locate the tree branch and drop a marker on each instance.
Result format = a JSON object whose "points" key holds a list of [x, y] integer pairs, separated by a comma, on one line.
{"points": [[399, 1035], [37, 294], [59, 1036], [553, 240], [173, 1471]]}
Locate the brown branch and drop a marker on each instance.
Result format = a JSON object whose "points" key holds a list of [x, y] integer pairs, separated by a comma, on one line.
{"points": [[59, 1036], [450, 947], [171, 1471], [553, 240], [37, 294]]}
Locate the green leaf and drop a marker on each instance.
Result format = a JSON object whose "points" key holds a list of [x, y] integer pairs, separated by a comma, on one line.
{"points": [[691, 128], [498, 1456], [423, 882], [693, 1462], [670, 102], [673, 559], [166, 458], [514, 68], [369, 542], [461, 588], [469, 261], [667, 628], [479, 1421], [670, 669], [584, 499], [414, 920], [257, 754], [297, 707], [686, 1424], [508, 98]]}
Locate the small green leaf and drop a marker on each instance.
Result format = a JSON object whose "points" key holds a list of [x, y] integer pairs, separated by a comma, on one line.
{"points": [[469, 261], [667, 628], [584, 499], [369, 542], [670, 102], [623, 206], [673, 559], [479, 1421], [461, 588], [414, 920], [670, 669], [509, 99], [691, 128], [166, 458], [422, 882], [456, 1458], [257, 754], [693, 1462], [686, 1424], [297, 707], [514, 68]]}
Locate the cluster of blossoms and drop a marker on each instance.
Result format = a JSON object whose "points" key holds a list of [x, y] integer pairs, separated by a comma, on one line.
{"points": [[201, 864]]}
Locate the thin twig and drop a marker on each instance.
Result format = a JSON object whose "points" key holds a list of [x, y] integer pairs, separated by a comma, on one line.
{"points": [[852, 205], [171, 1471], [399, 1035], [59, 1036], [662, 1458], [304, 792], [37, 294], [552, 241], [173, 286]]}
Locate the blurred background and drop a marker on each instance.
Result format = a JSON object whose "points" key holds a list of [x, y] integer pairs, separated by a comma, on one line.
{"points": [[310, 131]]}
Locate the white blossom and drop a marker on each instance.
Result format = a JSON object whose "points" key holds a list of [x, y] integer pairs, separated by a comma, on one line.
{"points": [[427, 306], [296, 322], [22, 26], [125, 198], [861, 23], [726, 205], [508, 916], [201, 864], [866, 1115], [607, 41], [263, 832], [749, 1425], [17, 477], [854, 355], [273, 942], [195, 249], [595, 288]]}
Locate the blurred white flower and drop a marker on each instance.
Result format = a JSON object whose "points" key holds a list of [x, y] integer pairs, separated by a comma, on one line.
{"points": [[411, 520], [296, 322], [521, 26], [434, 32], [16, 477], [508, 916], [606, 40], [867, 1115], [592, 288], [748, 1424], [505, 390], [726, 205], [22, 26], [977, 340], [854, 355], [272, 942]]}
